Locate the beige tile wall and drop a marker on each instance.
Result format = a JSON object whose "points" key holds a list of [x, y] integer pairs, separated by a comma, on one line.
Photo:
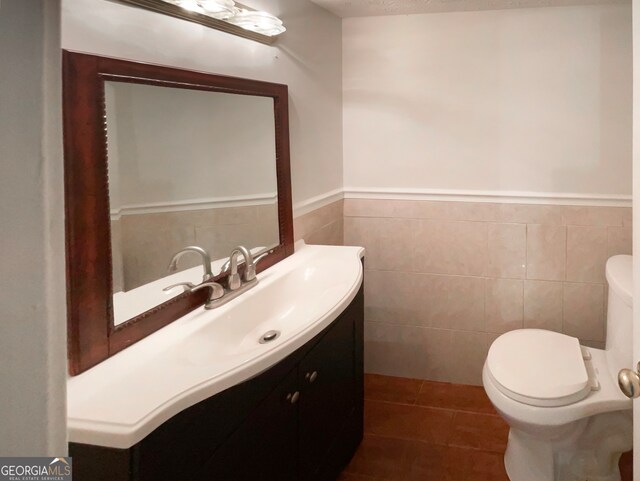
{"points": [[324, 226], [444, 279]]}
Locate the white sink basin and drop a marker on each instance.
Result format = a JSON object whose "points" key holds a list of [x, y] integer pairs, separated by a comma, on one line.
{"points": [[123, 399]]}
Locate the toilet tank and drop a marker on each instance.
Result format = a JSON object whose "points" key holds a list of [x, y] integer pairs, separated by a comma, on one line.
{"points": [[620, 313]]}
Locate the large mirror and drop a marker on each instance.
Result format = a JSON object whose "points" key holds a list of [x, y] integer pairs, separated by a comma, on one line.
{"points": [[186, 167], [158, 159]]}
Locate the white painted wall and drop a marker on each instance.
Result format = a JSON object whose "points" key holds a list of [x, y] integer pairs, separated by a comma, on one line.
{"points": [[32, 284], [636, 222], [349, 8], [169, 145], [527, 100], [307, 58]]}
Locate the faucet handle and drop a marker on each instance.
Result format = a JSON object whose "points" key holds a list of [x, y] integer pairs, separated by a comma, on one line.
{"points": [[216, 292], [188, 286]]}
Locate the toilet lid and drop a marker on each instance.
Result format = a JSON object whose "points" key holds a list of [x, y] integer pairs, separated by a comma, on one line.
{"points": [[538, 367]]}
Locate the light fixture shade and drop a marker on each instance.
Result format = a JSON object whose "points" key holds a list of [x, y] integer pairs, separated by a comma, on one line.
{"points": [[190, 5], [260, 22], [220, 9]]}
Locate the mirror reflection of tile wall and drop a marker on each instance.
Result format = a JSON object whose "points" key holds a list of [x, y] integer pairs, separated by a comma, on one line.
{"points": [[136, 255], [187, 167]]}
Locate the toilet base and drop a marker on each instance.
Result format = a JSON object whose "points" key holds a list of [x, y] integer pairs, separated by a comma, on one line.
{"points": [[590, 451]]}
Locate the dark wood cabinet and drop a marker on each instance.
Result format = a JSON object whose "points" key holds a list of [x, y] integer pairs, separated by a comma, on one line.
{"points": [[300, 420], [265, 446], [328, 390]]}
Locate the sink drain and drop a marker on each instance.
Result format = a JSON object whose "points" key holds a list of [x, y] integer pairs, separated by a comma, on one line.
{"points": [[269, 336]]}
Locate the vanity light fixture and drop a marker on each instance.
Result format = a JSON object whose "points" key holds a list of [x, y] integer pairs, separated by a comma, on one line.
{"points": [[189, 5], [225, 15], [259, 22], [219, 9]]}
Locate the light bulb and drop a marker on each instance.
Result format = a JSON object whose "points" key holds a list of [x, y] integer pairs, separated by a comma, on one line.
{"points": [[259, 22], [220, 9], [190, 5]]}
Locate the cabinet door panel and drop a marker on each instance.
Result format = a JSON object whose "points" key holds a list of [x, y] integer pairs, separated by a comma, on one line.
{"points": [[265, 447], [180, 447], [327, 393], [95, 463]]}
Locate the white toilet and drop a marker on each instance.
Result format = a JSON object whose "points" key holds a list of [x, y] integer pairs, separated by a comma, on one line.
{"points": [[569, 420]]}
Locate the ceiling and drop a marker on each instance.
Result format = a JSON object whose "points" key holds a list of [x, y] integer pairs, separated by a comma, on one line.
{"points": [[365, 8]]}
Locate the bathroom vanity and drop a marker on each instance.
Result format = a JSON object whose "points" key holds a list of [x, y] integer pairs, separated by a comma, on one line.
{"points": [[210, 397], [299, 420]]}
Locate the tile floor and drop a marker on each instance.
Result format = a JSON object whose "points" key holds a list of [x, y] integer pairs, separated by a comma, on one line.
{"points": [[422, 430]]}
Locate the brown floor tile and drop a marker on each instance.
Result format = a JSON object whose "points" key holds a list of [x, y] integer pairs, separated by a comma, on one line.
{"points": [[391, 389], [473, 465], [448, 435], [479, 431], [381, 457], [427, 462], [407, 422], [455, 396]]}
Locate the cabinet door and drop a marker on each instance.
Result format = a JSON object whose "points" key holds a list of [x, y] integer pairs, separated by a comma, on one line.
{"points": [[265, 447], [180, 448], [327, 394]]}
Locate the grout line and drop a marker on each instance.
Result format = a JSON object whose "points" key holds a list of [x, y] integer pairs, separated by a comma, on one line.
{"points": [[484, 308], [485, 320], [523, 310], [400, 438], [431, 328], [479, 221], [437, 274], [562, 326], [472, 448], [605, 320], [433, 408], [419, 392], [566, 252]]}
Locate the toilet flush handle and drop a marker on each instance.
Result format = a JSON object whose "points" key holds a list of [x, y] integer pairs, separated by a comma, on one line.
{"points": [[629, 382]]}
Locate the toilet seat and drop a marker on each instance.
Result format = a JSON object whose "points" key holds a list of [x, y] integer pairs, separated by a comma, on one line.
{"points": [[539, 368]]}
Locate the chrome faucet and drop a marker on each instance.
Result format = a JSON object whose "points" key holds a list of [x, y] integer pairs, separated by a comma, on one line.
{"points": [[218, 295], [250, 270], [216, 291], [235, 282], [206, 261]]}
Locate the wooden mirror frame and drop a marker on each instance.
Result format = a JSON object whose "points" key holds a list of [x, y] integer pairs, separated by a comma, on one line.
{"points": [[92, 336]]}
